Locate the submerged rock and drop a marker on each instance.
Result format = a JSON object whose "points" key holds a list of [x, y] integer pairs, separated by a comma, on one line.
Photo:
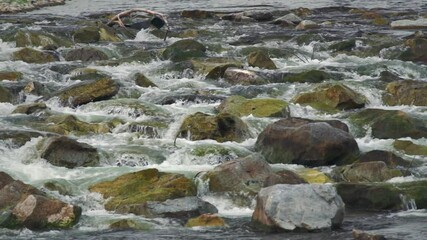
{"points": [[30, 55], [295, 207], [389, 124], [406, 92], [307, 142], [365, 172], [184, 50], [260, 107], [180, 208], [23, 206], [143, 186], [329, 97], [88, 91], [222, 127], [39, 39], [261, 60], [206, 220], [410, 148], [142, 81], [86, 54], [66, 152], [311, 76]]}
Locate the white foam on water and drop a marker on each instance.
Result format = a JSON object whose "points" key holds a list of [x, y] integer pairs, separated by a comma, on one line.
{"points": [[226, 208]]}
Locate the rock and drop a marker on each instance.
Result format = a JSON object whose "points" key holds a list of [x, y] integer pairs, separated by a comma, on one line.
{"points": [[142, 186], [295, 207], [389, 158], [88, 91], [184, 50], [86, 35], [236, 76], [288, 18], [389, 124], [387, 76], [39, 39], [18, 138], [84, 74], [302, 12], [6, 95], [283, 177], [416, 51], [343, 46], [66, 124], [10, 76], [206, 220], [330, 97], [307, 142], [66, 152], [23, 206], [260, 16], [365, 172], [86, 54], [260, 107], [307, 24], [245, 176], [410, 148], [180, 208], [406, 92], [222, 127], [313, 176], [129, 224], [361, 235], [197, 14], [191, 97], [30, 108], [61, 186], [311, 76], [29, 55], [237, 17], [26, 5], [142, 81], [261, 60], [409, 24]]}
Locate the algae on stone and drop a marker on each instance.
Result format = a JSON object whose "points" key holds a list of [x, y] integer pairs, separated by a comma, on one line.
{"points": [[260, 107]]}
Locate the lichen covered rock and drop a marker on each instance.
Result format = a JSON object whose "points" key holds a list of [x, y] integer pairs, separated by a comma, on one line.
{"points": [[261, 107]]}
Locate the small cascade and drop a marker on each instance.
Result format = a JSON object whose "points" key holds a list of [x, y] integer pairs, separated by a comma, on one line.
{"points": [[408, 203], [202, 185]]}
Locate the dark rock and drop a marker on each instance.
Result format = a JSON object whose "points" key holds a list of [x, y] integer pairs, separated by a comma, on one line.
{"points": [[6, 95], [184, 50], [86, 55], [389, 158], [260, 16], [343, 46], [142, 81], [198, 14], [66, 152], [406, 92], [416, 52], [86, 35], [29, 55], [18, 138], [410, 148], [307, 142], [311, 76], [222, 128], [30, 108], [261, 60], [365, 172]]}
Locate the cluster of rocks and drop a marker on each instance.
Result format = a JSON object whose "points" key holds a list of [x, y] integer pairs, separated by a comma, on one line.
{"points": [[12, 6]]}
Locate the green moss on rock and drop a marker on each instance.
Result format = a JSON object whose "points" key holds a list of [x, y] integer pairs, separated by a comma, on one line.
{"points": [[267, 107], [29, 55]]}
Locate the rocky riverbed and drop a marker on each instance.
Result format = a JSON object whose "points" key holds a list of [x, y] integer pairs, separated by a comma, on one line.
{"points": [[269, 123]]}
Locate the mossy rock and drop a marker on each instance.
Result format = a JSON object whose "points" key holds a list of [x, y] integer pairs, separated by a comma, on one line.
{"points": [[87, 91], [40, 39], [343, 46], [129, 224], [332, 97], [87, 54], [29, 55], [214, 68], [410, 148], [313, 176], [206, 220], [142, 186], [142, 81], [388, 124], [311, 76], [223, 127], [86, 35], [30, 108], [261, 60], [365, 172], [406, 92], [6, 95], [184, 50], [11, 76], [107, 34], [262, 107], [69, 124]]}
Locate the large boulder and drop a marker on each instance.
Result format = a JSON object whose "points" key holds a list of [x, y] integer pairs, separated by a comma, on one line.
{"points": [[39, 39], [222, 127], [389, 124], [365, 172], [261, 60], [237, 76], [184, 50], [406, 92], [307, 142], [330, 97], [383, 196], [179, 208], [260, 107], [87, 91], [30, 55], [86, 54], [143, 186], [23, 206], [246, 176], [66, 152], [298, 207]]}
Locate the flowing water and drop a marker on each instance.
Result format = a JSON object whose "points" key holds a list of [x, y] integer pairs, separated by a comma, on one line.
{"points": [[128, 149]]}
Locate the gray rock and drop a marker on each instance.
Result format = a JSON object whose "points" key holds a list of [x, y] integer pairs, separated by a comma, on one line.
{"points": [[303, 206], [181, 208], [237, 76], [409, 24]]}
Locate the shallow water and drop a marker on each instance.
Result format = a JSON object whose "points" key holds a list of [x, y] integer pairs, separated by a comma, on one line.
{"points": [[126, 151]]}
